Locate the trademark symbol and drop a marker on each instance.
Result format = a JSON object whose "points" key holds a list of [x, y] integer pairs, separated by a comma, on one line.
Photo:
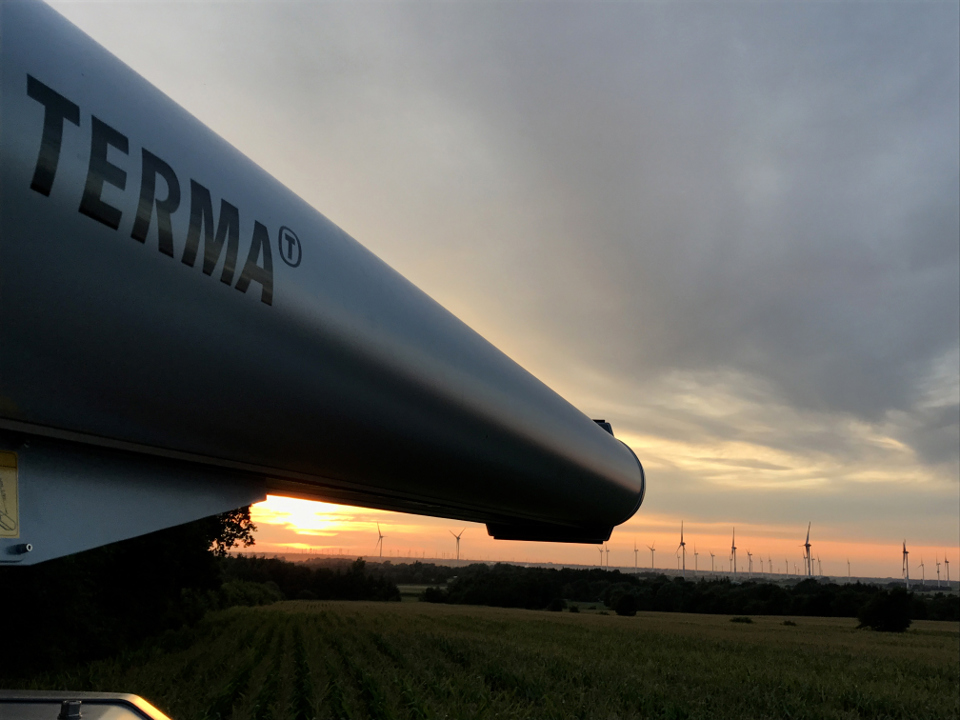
{"points": [[290, 251]]}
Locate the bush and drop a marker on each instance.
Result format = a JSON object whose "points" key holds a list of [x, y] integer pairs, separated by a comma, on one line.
{"points": [[745, 620], [886, 611], [574, 608], [243, 592], [433, 595], [626, 605], [556, 605], [789, 623]]}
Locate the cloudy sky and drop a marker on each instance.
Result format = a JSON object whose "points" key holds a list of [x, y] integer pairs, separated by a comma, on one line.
{"points": [[731, 229]]}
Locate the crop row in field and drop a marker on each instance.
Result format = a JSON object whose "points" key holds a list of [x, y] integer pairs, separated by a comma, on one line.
{"points": [[303, 660]]}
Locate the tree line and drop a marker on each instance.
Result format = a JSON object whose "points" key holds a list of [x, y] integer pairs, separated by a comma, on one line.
{"points": [[538, 588]]}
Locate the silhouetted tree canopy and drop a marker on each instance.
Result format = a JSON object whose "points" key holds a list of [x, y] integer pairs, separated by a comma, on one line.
{"points": [[534, 588]]}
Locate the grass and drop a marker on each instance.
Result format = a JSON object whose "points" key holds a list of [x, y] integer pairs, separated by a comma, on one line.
{"points": [[303, 660]]}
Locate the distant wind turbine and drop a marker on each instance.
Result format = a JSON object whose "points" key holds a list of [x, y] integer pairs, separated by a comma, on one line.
{"points": [[733, 553], [906, 566], [652, 549], [923, 573], [947, 563], [711, 562], [937, 558], [770, 564], [635, 551], [608, 556], [600, 550], [458, 540], [749, 563], [380, 537], [683, 546], [808, 559], [696, 565], [819, 567], [848, 568]]}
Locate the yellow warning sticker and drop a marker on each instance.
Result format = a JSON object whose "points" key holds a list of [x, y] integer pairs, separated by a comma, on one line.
{"points": [[9, 509]]}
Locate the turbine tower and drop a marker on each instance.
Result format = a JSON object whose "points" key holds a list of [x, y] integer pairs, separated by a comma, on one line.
{"points": [[696, 565], [947, 563], [938, 571], [808, 559], [607, 547], [906, 566], [712, 556], [380, 537], [683, 546], [635, 551], [770, 564], [819, 567], [848, 568], [733, 553], [458, 541], [600, 550], [923, 573], [652, 549], [749, 563]]}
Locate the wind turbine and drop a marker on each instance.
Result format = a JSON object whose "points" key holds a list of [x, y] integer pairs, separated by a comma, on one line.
{"points": [[711, 562], [652, 551], [947, 563], [938, 571], [749, 563], [380, 537], [696, 564], [770, 564], [608, 556], [458, 541], [806, 551], [786, 569], [906, 566], [848, 568], [819, 567], [923, 573], [733, 553], [635, 551], [683, 546], [600, 550], [760, 562]]}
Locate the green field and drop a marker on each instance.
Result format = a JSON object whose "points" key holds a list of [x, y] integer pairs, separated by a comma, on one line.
{"points": [[415, 660]]}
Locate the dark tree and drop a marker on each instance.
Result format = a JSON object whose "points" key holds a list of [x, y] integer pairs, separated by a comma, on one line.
{"points": [[92, 604], [626, 605], [887, 611]]}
